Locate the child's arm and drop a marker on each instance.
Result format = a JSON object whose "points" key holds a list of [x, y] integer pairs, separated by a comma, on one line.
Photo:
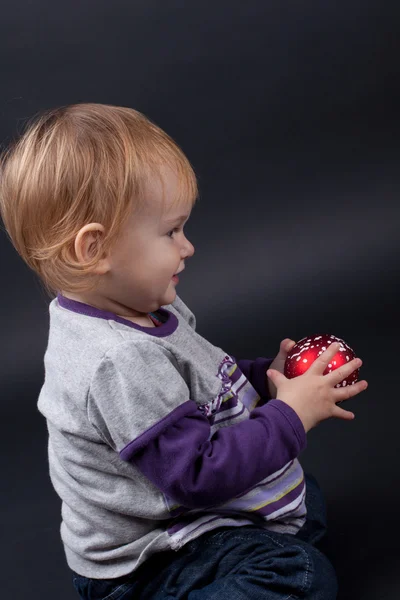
{"points": [[255, 372], [196, 471], [141, 406]]}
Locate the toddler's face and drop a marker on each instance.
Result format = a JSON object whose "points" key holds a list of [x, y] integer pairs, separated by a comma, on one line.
{"points": [[152, 249]]}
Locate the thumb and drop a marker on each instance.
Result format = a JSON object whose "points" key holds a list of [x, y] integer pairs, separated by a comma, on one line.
{"points": [[286, 345], [275, 376]]}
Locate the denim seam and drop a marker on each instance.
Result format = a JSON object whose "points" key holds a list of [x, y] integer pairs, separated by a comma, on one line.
{"points": [[308, 570], [117, 589]]}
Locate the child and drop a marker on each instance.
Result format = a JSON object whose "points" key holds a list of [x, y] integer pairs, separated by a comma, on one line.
{"points": [[176, 463]]}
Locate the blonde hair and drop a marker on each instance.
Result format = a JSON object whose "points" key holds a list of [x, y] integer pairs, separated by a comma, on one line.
{"points": [[76, 165]]}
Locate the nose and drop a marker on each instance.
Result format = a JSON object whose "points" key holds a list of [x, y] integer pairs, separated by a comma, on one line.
{"points": [[187, 248]]}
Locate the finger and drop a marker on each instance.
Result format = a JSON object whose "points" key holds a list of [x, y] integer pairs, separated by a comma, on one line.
{"points": [[340, 413], [319, 365], [275, 376], [344, 393], [338, 375]]}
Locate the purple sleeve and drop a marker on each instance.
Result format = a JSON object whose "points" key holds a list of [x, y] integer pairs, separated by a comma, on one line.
{"points": [[256, 372], [178, 456]]}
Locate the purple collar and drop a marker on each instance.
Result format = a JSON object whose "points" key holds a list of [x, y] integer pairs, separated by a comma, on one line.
{"points": [[167, 328]]}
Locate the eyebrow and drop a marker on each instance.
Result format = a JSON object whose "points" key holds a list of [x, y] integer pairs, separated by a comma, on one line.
{"points": [[177, 219]]}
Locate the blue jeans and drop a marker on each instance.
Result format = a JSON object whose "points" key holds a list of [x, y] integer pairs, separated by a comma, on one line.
{"points": [[232, 563]]}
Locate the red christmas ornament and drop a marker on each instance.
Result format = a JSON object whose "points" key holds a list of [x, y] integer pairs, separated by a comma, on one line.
{"points": [[305, 351]]}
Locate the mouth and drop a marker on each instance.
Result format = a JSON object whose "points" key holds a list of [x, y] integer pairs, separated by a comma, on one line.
{"points": [[175, 277]]}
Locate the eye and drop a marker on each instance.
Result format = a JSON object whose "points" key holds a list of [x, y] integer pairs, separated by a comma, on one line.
{"points": [[171, 233]]}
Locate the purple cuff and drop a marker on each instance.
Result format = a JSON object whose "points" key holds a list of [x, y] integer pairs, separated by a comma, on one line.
{"points": [[185, 464], [293, 418], [256, 372]]}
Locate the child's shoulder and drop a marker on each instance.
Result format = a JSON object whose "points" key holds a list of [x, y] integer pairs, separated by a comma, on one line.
{"points": [[79, 339], [93, 333], [81, 343]]}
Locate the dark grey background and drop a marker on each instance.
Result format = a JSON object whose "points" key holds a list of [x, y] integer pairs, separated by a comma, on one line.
{"points": [[289, 112]]}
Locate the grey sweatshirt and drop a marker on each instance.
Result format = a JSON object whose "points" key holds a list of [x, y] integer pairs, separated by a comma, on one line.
{"points": [[157, 436]]}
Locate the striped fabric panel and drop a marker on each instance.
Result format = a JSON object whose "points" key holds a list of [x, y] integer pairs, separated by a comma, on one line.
{"points": [[278, 502], [241, 387], [271, 495], [239, 400]]}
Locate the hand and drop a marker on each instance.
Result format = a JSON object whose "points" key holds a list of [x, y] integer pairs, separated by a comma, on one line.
{"points": [[278, 363], [313, 395]]}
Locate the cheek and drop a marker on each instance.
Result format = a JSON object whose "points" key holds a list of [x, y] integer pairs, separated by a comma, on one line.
{"points": [[169, 253], [162, 263]]}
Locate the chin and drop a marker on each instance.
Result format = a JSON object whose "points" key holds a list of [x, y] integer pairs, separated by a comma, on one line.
{"points": [[169, 297]]}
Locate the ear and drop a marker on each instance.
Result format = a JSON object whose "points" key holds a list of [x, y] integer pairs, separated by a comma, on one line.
{"points": [[87, 241]]}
